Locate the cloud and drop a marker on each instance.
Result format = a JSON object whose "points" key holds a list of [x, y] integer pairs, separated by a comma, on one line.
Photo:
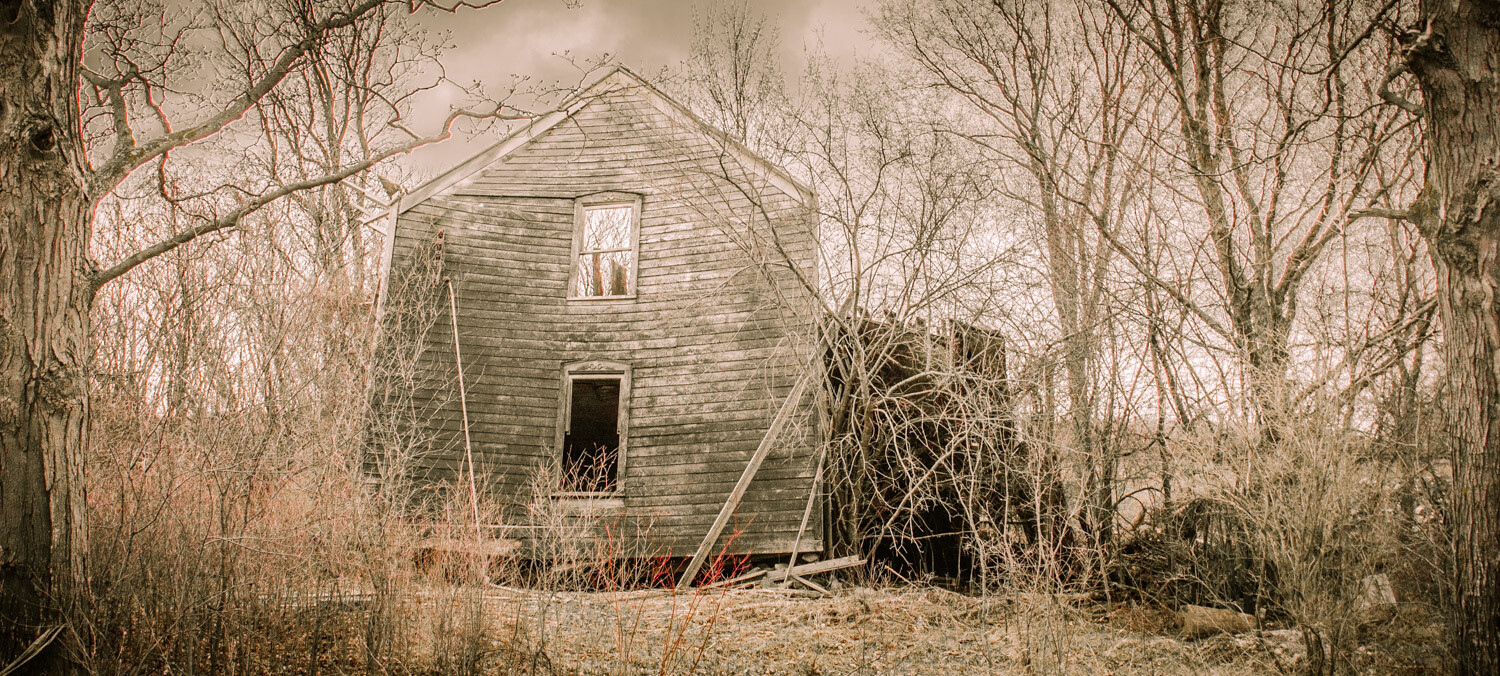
{"points": [[522, 37]]}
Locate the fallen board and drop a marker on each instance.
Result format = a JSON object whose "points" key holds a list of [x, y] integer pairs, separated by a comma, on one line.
{"points": [[811, 585], [742, 579], [816, 567]]}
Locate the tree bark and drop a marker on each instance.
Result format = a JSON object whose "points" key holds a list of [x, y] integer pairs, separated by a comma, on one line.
{"points": [[1455, 55], [45, 293]]}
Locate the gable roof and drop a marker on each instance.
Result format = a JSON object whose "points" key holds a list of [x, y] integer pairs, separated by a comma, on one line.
{"points": [[616, 79]]}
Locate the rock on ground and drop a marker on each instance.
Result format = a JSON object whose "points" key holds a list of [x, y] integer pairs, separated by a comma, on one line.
{"points": [[1377, 600]]}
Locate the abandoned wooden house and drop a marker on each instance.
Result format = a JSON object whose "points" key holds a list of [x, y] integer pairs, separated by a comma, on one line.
{"points": [[633, 302]]}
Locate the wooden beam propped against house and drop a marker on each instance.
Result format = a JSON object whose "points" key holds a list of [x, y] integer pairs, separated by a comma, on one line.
{"points": [[777, 425]]}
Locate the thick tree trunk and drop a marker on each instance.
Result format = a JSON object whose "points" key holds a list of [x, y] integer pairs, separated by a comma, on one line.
{"points": [[45, 294], [1456, 60]]}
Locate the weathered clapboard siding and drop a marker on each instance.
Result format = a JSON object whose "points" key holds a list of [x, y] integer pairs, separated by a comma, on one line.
{"points": [[716, 336]]}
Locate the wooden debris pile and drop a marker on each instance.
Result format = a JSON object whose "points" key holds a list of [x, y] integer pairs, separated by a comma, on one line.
{"points": [[801, 575]]}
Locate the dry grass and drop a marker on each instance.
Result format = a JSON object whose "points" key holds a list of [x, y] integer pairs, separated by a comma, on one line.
{"points": [[495, 630], [899, 630], [857, 631], [216, 552]]}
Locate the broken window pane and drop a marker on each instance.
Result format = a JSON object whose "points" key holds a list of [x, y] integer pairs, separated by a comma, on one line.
{"points": [[591, 445], [606, 257]]}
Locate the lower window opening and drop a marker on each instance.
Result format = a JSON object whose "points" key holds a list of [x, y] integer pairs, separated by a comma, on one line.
{"points": [[591, 446]]}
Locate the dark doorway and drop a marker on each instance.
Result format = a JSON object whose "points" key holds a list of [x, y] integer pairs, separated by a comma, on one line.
{"points": [[591, 446]]}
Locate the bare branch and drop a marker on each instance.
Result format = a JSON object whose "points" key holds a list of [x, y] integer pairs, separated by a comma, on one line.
{"points": [[106, 177], [1392, 97], [114, 91], [1421, 318], [1171, 289], [1397, 214], [247, 207], [456, 5]]}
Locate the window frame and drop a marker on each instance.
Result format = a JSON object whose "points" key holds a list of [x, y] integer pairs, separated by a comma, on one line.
{"points": [[581, 206], [592, 370]]}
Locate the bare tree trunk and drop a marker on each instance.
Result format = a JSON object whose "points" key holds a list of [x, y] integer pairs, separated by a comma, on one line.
{"points": [[182, 338], [48, 192], [45, 295], [1455, 56]]}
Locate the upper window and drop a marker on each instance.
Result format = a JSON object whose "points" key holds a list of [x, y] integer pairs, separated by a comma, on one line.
{"points": [[606, 232]]}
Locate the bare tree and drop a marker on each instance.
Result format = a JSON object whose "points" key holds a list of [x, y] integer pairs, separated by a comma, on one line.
{"points": [[1276, 140], [89, 95], [1453, 51], [732, 75], [1054, 90]]}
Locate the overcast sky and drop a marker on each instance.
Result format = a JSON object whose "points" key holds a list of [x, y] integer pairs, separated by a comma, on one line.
{"points": [[523, 37]]}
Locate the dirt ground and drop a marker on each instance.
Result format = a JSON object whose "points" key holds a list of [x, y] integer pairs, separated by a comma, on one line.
{"points": [[865, 631]]}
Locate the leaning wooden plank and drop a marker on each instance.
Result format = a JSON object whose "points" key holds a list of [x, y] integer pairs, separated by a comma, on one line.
{"points": [[812, 496], [816, 567], [482, 562], [782, 416]]}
